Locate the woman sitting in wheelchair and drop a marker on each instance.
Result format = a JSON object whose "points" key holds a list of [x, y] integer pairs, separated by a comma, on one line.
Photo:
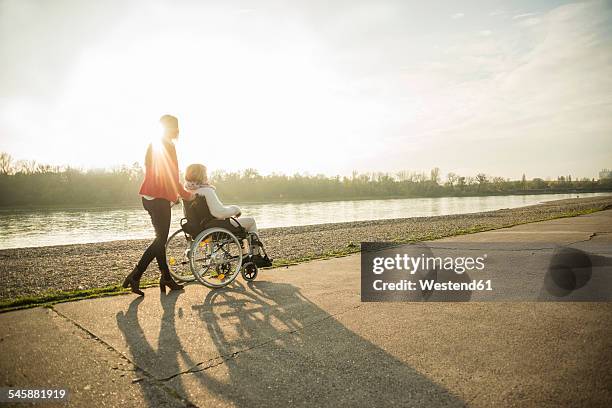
{"points": [[207, 211]]}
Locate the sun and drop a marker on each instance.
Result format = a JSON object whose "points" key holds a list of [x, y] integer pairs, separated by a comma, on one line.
{"points": [[157, 145]]}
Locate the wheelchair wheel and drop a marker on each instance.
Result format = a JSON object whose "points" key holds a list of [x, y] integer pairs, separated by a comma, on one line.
{"points": [[178, 249], [215, 257], [249, 271]]}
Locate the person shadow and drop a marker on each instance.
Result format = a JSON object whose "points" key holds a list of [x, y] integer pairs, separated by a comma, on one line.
{"points": [[144, 355], [275, 347]]}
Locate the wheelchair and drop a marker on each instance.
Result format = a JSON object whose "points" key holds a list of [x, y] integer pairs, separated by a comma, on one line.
{"points": [[212, 253]]}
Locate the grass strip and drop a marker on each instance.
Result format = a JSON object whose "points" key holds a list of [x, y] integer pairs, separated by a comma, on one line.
{"points": [[53, 297]]}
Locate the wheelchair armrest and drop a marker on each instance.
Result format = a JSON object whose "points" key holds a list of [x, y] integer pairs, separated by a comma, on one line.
{"points": [[237, 222]]}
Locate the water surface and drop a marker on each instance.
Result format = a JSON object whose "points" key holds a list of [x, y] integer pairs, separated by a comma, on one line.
{"points": [[31, 228]]}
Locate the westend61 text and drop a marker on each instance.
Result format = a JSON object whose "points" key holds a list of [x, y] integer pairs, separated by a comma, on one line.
{"points": [[429, 285]]}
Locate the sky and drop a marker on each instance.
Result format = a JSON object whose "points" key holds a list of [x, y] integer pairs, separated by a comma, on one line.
{"points": [[311, 86]]}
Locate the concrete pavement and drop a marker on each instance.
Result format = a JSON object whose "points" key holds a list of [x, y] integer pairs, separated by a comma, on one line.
{"points": [[300, 336]]}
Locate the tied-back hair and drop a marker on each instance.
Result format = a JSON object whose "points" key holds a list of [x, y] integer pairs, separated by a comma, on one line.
{"points": [[169, 122]]}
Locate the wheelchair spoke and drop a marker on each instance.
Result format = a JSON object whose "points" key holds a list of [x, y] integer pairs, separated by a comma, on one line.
{"points": [[216, 258], [178, 251]]}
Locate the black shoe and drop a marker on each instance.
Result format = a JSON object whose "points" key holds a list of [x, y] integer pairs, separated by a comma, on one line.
{"points": [[166, 281], [133, 281]]}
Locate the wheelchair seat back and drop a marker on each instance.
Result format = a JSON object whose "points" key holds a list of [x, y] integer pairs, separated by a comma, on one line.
{"points": [[199, 218]]}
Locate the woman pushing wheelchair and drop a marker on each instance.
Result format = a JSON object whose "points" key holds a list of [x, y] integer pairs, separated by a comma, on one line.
{"points": [[159, 190], [207, 211]]}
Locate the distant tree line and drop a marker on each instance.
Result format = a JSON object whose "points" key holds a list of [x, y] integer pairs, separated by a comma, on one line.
{"points": [[27, 183]]}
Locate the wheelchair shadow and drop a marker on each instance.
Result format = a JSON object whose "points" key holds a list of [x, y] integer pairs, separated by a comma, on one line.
{"points": [[277, 348], [299, 359]]}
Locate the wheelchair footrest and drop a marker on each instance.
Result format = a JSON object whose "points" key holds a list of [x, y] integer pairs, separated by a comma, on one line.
{"points": [[262, 261]]}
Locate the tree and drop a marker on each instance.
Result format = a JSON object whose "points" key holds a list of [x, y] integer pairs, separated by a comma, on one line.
{"points": [[251, 174], [6, 163], [451, 178], [538, 184], [499, 183], [461, 182], [34, 184], [136, 171], [26, 166], [420, 177], [403, 175], [482, 180], [435, 175]]}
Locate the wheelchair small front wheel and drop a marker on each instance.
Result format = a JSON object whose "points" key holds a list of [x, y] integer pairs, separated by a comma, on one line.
{"points": [[249, 271]]}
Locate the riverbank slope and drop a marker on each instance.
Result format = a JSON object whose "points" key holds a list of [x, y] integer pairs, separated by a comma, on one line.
{"points": [[35, 271]]}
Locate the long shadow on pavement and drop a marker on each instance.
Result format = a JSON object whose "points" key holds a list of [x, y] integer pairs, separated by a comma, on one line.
{"points": [[277, 348], [168, 347]]}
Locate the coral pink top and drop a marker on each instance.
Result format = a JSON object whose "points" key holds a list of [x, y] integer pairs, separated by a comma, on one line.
{"points": [[162, 175]]}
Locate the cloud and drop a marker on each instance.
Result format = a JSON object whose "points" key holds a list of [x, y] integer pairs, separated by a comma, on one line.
{"points": [[457, 16], [527, 22], [553, 96], [524, 15], [532, 98]]}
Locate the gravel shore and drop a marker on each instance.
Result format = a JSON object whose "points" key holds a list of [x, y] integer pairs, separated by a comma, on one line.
{"points": [[33, 271]]}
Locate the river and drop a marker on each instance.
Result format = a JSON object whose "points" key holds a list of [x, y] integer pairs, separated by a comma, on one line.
{"points": [[32, 228]]}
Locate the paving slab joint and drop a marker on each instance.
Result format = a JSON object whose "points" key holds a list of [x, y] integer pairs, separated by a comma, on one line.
{"points": [[591, 236], [149, 377]]}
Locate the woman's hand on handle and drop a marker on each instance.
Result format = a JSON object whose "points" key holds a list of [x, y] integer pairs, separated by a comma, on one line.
{"points": [[186, 196]]}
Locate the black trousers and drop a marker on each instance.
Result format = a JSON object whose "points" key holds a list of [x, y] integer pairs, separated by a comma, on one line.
{"points": [[159, 210]]}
